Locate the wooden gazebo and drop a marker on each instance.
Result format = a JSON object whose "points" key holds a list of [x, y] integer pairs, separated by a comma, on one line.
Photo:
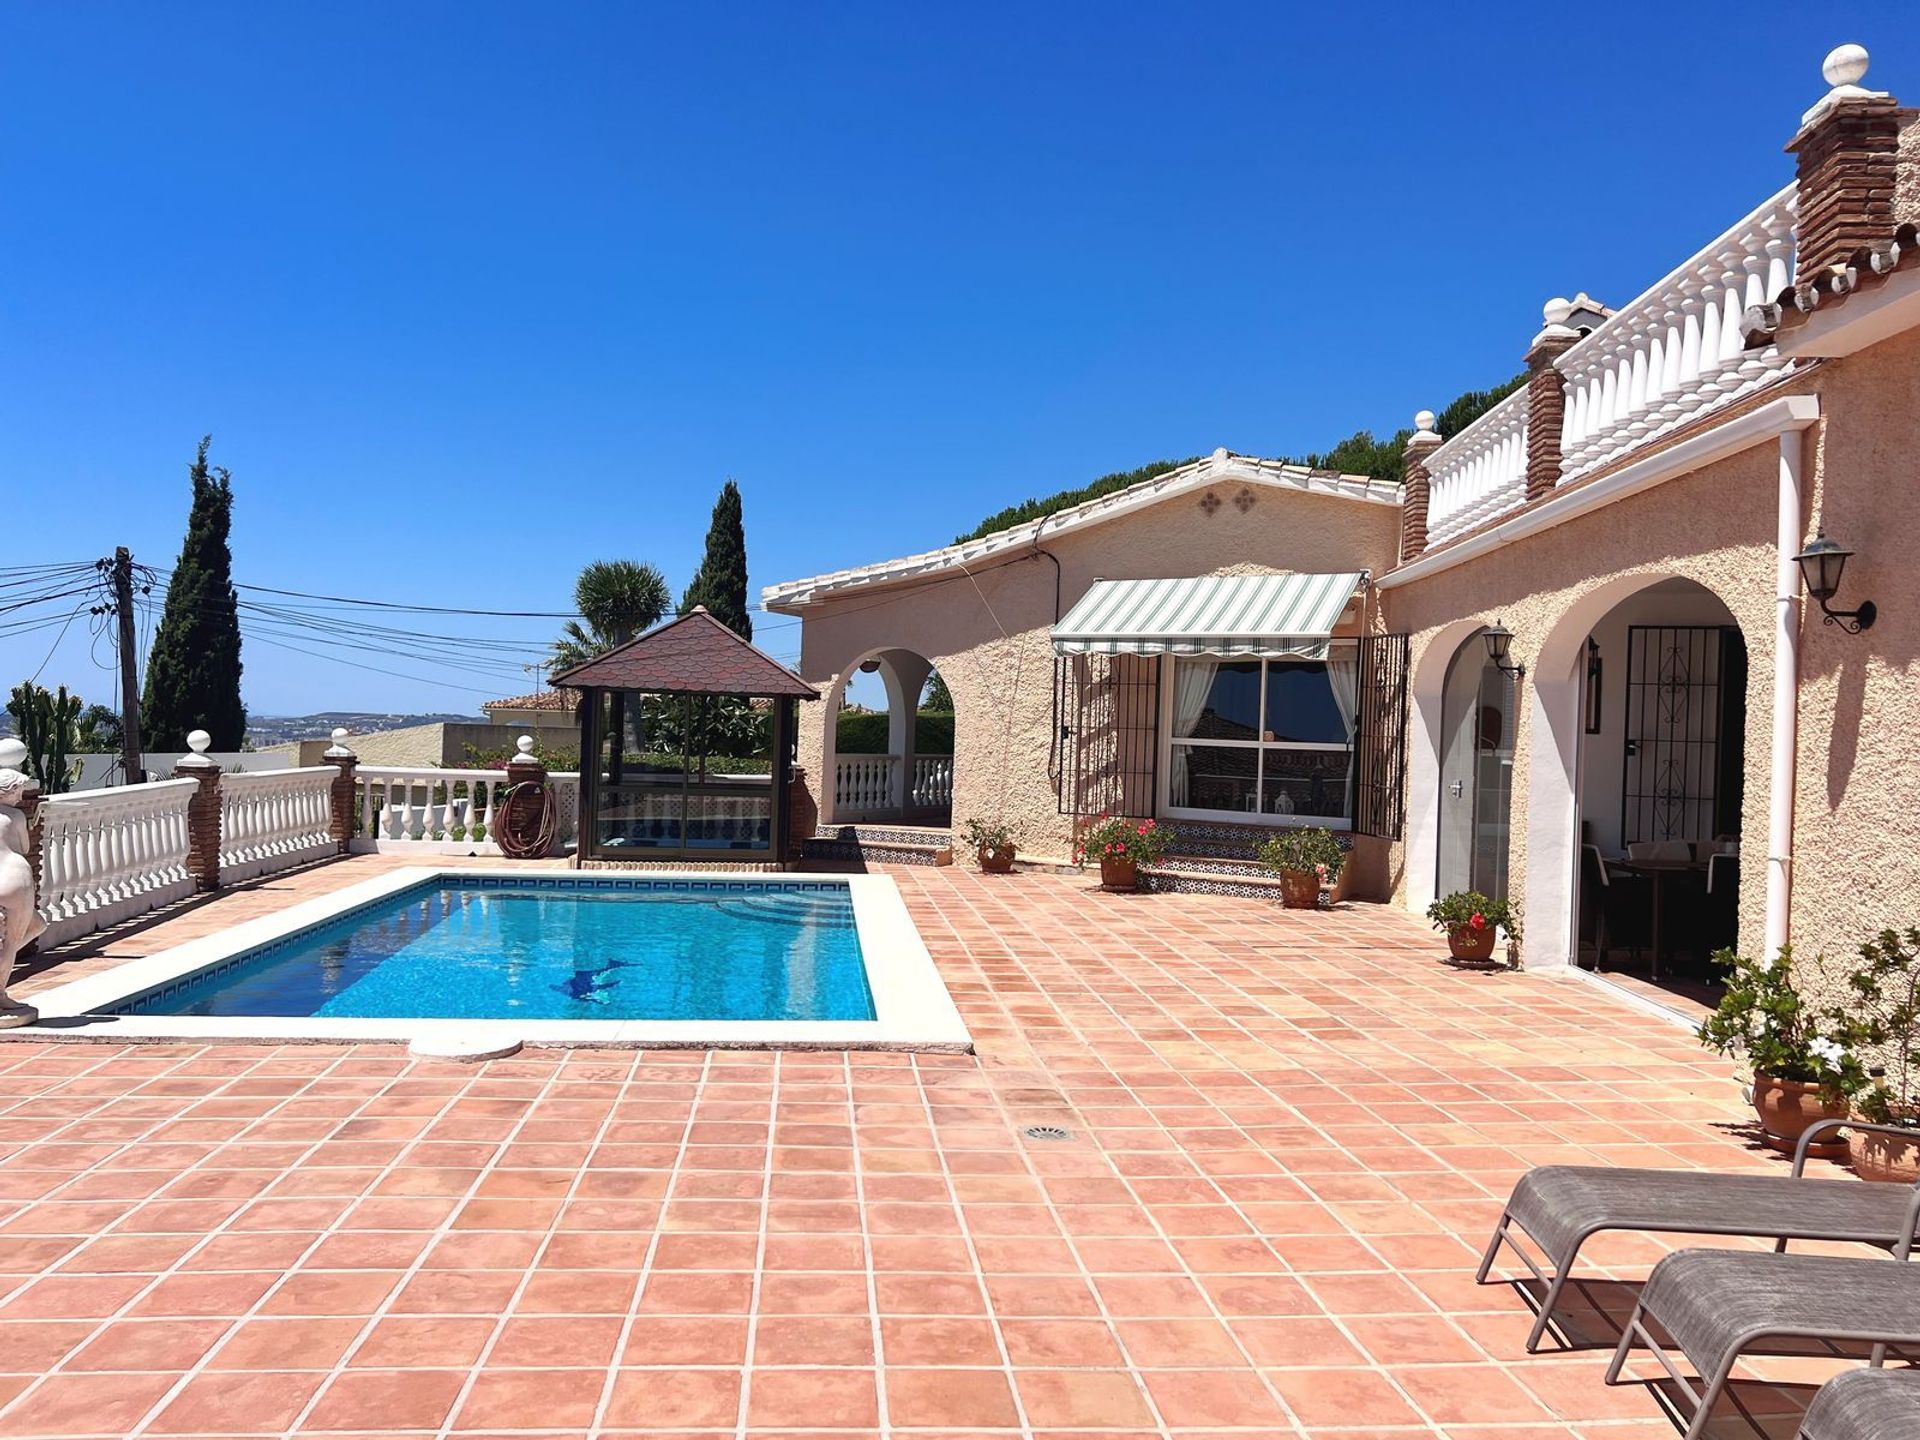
{"points": [[686, 746]]}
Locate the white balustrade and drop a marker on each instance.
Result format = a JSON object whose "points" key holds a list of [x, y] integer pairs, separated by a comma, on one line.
{"points": [[866, 785], [1481, 473], [273, 819], [932, 782], [1677, 352], [412, 807], [108, 855]]}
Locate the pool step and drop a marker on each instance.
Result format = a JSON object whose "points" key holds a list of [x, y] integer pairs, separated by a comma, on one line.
{"points": [[880, 845]]}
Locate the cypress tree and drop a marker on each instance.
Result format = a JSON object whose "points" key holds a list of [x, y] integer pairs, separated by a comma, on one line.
{"points": [[193, 674], [720, 583]]}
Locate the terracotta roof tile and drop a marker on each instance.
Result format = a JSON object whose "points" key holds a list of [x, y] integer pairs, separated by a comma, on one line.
{"points": [[1865, 269], [561, 700], [694, 653]]}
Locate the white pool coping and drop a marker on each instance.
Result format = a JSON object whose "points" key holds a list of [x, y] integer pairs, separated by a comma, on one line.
{"points": [[912, 1008]]}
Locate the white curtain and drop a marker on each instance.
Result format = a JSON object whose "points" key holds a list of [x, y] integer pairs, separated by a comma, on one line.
{"points": [[1343, 674], [1192, 684]]}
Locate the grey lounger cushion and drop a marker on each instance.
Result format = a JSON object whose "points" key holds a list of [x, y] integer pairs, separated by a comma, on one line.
{"points": [[1865, 1405], [1716, 1302], [1559, 1205]]}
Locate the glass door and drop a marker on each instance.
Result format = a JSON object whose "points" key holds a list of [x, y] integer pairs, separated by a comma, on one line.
{"points": [[1476, 774]]}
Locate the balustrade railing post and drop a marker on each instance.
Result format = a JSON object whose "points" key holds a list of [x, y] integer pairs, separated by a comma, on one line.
{"points": [[343, 807], [1547, 397], [203, 812], [1417, 495]]}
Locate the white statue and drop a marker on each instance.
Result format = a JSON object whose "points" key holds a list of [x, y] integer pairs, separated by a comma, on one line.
{"points": [[20, 922]]}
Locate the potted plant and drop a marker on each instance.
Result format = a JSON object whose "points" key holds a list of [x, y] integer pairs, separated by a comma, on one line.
{"points": [[1887, 988], [1473, 922], [1805, 1064], [992, 846], [1303, 858], [1122, 846]]}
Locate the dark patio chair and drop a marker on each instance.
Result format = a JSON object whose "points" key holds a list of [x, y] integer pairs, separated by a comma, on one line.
{"points": [[1872, 1404], [1559, 1206], [1718, 1304], [1620, 906]]}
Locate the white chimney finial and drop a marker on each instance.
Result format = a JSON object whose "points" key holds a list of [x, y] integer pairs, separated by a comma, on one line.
{"points": [[1423, 421], [525, 746], [1844, 65], [199, 741], [1844, 68], [1556, 310]]}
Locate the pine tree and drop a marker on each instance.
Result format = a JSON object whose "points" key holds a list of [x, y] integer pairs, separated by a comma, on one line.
{"points": [[193, 674], [720, 583]]}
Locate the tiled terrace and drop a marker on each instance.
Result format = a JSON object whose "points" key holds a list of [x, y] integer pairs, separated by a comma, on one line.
{"points": [[1287, 1136]]}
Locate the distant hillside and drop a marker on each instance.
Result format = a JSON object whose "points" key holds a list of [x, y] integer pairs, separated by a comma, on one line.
{"points": [[265, 730], [1358, 454]]}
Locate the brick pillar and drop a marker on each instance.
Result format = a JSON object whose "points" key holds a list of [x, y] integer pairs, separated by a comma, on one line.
{"points": [[1547, 397], [1413, 465], [803, 812], [343, 817], [523, 769], [1847, 158], [203, 812]]}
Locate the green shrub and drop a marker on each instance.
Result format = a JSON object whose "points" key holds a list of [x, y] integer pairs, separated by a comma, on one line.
{"points": [[862, 732]]}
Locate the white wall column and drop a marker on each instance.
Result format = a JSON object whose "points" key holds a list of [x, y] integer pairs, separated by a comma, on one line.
{"points": [[1786, 695]]}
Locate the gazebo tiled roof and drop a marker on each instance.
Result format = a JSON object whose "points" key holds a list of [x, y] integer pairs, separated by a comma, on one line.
{"points": [[694, 654], [556, 700]]}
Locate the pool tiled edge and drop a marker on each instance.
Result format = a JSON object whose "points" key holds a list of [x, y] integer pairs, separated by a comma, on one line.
{"points": [[912, 1007]]}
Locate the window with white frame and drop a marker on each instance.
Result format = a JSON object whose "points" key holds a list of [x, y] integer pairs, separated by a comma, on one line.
{"points": [[1271, 739]]}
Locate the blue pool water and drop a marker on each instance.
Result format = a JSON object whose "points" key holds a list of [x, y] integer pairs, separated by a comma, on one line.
{"points": [[561, 949]]}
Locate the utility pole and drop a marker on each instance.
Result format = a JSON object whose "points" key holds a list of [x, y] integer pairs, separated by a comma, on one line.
{"points": [[130, 747]]}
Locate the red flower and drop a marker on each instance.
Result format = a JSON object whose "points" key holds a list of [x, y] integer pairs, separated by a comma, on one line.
{"points": [[1478, 922], [1143, 829]]}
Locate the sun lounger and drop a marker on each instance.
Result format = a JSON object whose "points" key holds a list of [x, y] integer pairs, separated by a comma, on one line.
{"points": [[1865, 1405], [1718, 1304], [1559, 1206]]}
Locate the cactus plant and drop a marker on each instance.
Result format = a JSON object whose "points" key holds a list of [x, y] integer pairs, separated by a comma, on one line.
{"points": [[48, 723]]}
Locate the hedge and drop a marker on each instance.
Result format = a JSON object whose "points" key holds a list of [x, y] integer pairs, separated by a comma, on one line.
{"points": [[864, 733]]}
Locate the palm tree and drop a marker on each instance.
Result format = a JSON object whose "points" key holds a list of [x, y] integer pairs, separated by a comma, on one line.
{"points": [[617, 599]]}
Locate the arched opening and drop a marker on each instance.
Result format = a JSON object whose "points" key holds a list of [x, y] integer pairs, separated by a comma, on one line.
{"points": [[889, 743], [1426, 750], [1637, 782]]}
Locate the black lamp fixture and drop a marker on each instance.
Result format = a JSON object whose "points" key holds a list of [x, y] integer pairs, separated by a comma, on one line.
{"points": [[1821, 565], [1499, 642]]}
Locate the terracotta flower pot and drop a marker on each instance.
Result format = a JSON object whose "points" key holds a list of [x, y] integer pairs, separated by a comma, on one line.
{"points": [[1300, 889], [1117, 874], [996, 861], [1787, 1107], [1467, 943], [1894, 1159]]}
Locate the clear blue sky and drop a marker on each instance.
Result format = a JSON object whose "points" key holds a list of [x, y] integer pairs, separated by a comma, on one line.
{"points": [[470, 294]]}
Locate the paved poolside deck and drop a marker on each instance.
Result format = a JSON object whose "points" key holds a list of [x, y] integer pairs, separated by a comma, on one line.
{"points": [[1288, 1136]]}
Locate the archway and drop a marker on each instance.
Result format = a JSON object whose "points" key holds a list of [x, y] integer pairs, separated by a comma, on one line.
{"points": [[1636, 782], [888, 752]]}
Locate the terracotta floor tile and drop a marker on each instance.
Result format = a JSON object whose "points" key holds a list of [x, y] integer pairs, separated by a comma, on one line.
{"points": [[385, 1400], [675, 1399], [404, 1342], [150, 1345], [1193, 1398], [812, 1340], [85, 1404], [830, 1399], [248, 1403], [1342, 1397], [531, 1399], [1078, 1398], [953, 1398], [1060, 1342]]}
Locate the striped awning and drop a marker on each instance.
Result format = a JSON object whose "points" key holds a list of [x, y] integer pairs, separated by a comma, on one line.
{"points": [[1270, 615]]}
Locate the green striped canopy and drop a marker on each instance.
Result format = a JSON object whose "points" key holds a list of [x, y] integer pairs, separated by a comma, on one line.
{"points": [[1270, 615]]}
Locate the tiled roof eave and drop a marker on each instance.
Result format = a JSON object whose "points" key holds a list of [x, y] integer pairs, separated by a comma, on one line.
{"points": [[1868, 268], [1220, 468]]}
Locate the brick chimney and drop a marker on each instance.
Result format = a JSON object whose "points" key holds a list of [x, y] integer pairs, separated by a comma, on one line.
{"points": [[1413, 509], [1848, 154]]}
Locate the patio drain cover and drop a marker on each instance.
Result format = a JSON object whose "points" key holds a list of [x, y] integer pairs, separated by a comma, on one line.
{"points": [[1047, 1132]]}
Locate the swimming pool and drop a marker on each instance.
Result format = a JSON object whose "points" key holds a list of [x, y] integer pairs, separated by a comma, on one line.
{"points": [[547, 957]]}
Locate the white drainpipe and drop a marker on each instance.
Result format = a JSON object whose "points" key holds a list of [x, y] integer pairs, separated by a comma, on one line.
{"points": [[1786, 694]]}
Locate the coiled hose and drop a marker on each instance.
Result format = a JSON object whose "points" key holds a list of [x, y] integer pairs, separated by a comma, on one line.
{"points": [[525, 821]]}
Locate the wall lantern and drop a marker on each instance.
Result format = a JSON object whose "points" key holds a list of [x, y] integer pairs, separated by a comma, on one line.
{"points": [[867, 667], [1821, 565], [1499, 642]]}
